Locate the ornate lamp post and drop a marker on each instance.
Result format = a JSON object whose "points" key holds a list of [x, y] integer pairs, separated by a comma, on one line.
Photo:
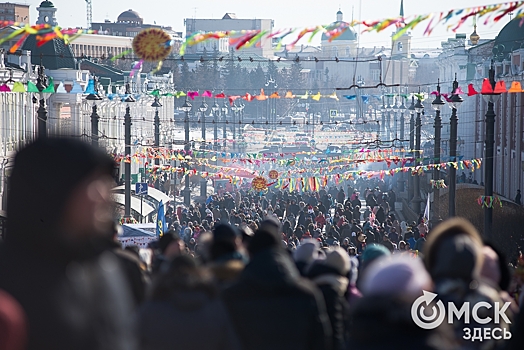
{"points": [[455, 102], [41, 85], [186, 107], [235, 109], [415, 202], [225, 111], [128, 100], [216, 111], [437, 106], [411, 110], [203, 181], [95, 99], [491, 98], [156, 104]]}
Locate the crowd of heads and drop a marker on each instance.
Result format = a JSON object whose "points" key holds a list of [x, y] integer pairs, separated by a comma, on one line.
{"points": [[331, 269]]}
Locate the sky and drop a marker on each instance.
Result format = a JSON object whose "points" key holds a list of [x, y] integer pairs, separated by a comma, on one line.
{"points": [[285, 13]]}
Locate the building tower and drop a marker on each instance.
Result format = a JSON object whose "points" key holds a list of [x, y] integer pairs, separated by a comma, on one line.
{"points": [[46, 13], [402, 46]]}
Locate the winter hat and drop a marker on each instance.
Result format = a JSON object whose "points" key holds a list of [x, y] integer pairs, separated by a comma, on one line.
{"points": [[453, 250], [13, 328], [166, 239], [338, 259], [267, 236], [396, 275], [307, 251], [372, 252], [225, 232], [490, 267], [47, 172]]}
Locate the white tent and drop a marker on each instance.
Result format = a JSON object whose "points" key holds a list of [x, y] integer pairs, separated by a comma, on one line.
{"points": [[151, 192], [135, 204]]}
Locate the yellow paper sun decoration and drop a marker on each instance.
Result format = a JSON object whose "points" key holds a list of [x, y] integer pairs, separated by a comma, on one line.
{"points": [[152, 45]]}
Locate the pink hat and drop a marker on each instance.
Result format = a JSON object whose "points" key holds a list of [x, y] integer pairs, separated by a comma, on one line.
{"points": [[396, 275]]}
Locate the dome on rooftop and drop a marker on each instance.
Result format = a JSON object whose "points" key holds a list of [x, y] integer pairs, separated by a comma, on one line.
{"points": [[349, 34], [510, 38], [130, 16], [46, 4]]}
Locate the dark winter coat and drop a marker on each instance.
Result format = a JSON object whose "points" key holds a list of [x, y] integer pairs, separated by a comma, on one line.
{"points": [[273, 308], [189, 320], [382, 322], [333, 287], [80, 304]]}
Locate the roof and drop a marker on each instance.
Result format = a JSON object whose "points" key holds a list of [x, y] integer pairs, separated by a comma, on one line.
{"points": [[349, 34], [135, 204], [230, 15], [55, 53], [129, 14], [510, 38], [151, 192], [46, 4]]}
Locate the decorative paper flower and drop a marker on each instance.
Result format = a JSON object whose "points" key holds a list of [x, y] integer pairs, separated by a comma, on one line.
{"points": [[152, 45], [259, 183]]}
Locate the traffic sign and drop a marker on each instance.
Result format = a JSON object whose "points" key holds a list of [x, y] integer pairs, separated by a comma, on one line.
{"points": [[141, 189], [333, 112]]}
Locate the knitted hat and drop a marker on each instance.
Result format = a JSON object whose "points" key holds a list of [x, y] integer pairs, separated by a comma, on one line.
{"points": [[374, 251], [307, 251], [396, 275], [338, 259]]}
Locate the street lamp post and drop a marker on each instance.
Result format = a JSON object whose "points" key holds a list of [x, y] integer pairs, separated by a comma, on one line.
{"points": [[225, 111], [41, 84], [156, 104], [95, 99], [389, 108], [411, 110], [455, 102], [128, 100], [241, 106], [415, 202], [402, 109], [491, 98], [437, 105], [383, 111], [216, 110], [186, 107], [235, 109], [203, 181]]}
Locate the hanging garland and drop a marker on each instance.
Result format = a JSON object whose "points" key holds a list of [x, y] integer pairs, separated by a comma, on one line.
{"points": [[489, 201], [438, 184], [454, 19]]}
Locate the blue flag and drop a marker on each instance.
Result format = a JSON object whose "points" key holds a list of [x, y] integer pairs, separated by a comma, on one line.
{"points": [[160, 220]]}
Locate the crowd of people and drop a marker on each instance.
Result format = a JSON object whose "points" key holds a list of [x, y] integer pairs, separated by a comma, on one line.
{"points": [[332, 269]]}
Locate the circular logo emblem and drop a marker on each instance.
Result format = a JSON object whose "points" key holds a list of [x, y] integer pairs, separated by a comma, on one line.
{"points": [[420, 315], [273, 174]]}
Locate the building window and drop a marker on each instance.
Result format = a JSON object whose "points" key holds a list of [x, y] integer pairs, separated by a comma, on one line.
{"points": [[348, 51], [334, 51], [375, 74]]}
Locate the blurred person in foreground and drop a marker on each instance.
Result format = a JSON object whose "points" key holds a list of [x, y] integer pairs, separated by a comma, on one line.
{"points": [[382, 318], [56, 260], [270, 305], [454, 259], [185, 312]]}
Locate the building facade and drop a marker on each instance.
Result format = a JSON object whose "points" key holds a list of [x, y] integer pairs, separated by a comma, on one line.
{"points": [[15, 12], [228, 22]]}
